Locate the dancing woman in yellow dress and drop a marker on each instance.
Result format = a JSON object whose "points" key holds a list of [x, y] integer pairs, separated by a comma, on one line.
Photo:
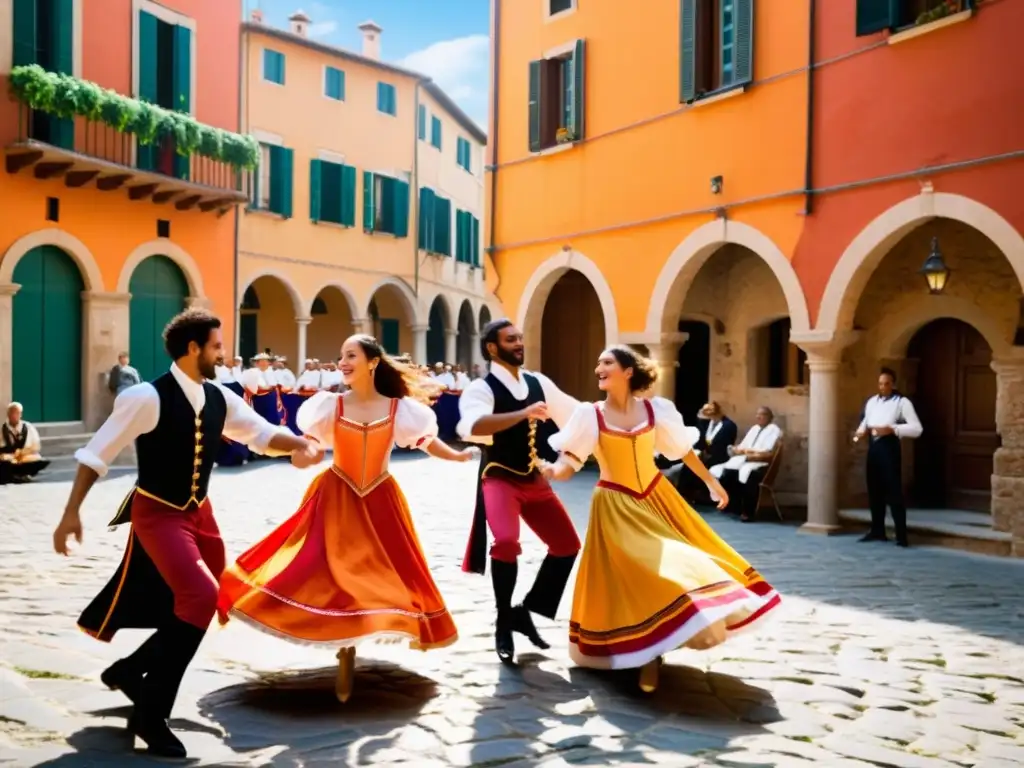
{"points": [[348, 566], [653, 576]]}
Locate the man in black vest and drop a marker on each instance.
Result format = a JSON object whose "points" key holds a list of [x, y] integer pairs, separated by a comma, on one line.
{"points": [[507, 406], [168, 578]]}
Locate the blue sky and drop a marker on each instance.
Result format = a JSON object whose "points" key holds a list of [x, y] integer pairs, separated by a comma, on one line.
{"points": [[444, 39]]}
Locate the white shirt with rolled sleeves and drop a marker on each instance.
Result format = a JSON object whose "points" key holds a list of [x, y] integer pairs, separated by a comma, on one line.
{"points": [[889, 412], [285, 379], [137, 412], [477, 401], [578, 439], [308, 380], [758, 439], [415, 423]]}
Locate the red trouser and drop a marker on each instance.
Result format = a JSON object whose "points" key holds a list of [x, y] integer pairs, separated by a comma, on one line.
{"points": [[187, 550], [531, 499]]}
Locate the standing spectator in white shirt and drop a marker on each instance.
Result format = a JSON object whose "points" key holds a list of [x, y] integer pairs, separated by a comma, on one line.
{"points": [[888, 417]]}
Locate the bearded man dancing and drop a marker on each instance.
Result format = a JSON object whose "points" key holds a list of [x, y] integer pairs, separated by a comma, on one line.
{"points": [[507, 406], [168, 578]]}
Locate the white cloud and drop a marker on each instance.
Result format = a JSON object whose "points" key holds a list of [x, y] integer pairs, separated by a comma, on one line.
{"points": [[322, 28], [460, 67]]}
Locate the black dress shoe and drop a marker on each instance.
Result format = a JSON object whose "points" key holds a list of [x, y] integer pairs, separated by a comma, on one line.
{"points": [[522, 622], [874, 537], [160, 741], [902, 543], [119, 677], [504, 644]]}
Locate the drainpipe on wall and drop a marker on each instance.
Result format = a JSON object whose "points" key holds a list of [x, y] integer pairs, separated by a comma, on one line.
{"points": [[496, 38], [414, 187], [809, 156]]}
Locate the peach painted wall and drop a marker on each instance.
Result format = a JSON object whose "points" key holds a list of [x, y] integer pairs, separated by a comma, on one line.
{"points": [[644, 169], [950, 95], [355, 133], [110, 225]]}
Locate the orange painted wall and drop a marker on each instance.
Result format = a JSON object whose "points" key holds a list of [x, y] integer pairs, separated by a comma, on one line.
{"points": [[108, 223], [645, 167], [951, 95]]}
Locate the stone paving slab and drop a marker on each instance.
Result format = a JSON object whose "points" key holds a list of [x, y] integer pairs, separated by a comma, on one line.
{"points": [[880, 657]]}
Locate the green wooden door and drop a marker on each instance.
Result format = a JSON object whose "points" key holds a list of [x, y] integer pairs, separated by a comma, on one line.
{"points": [[47, 373], [158, 290]]}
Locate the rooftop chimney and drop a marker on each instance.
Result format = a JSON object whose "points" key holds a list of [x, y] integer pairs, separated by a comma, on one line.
{"points": [[256, 17], [299, 23], [371, 39]]}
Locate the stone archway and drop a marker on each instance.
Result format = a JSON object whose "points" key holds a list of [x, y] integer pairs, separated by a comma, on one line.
{"points": [[330, 320], [268, 317], [169, 250], [466, 340], [572, 335], [392, 318], [439, 328], [534, 300], [159, 290], [485, 317]]}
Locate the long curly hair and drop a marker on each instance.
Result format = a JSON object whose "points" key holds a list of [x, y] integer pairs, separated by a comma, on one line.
{"points": [[394, 379], [645, 370]]}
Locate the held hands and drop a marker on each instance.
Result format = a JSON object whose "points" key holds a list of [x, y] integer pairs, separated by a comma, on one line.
{"points": [[312, 454], [557, 471], [70, 525], [536, 412], [468, 454]]}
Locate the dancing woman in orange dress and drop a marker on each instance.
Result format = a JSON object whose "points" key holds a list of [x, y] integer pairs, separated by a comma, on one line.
{"points": [[348, 567]]}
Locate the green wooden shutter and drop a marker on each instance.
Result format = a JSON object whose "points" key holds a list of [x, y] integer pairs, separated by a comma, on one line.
{"points": [[743, 60], [535, 69], [443, 219], [875, 16], [458, 235], [421, 119], [475, 240], [182, 88], [369, 203], [578, 82], [426, 224], [287, 171], [348, 195], [62, 48], [147, 153], [401, 212], [281, 180], [315, 174], [24, 32], [687, 50]]}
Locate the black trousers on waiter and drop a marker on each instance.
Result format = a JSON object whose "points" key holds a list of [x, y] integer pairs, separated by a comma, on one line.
{"points": [[885, 486]]}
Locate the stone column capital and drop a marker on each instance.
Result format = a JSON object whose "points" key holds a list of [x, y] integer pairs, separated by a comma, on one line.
{"points": [[822, 364], [417, 328], [303, 320], [9, 289], [1011, 366], [451, 331], [106, 297], [824, 345], [198, 302]]}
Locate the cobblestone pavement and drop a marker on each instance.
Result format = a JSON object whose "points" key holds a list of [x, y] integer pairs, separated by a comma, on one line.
{"points": [[881, 657]]}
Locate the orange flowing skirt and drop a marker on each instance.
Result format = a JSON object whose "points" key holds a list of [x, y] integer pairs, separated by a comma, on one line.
{"points": [[342, 570]]}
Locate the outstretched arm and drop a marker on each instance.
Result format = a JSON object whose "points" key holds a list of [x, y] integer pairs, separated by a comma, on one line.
{"points": [[692, 460], [442, 450]]}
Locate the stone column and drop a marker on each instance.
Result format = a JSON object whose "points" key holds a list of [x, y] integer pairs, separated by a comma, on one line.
{"points": [[199, 302], [451, 345], [7, 291], [363, 325], [1008, 462], [303, 326], [475, 358], [419, 343], [823, 447], [666, 356], [105, 333]]}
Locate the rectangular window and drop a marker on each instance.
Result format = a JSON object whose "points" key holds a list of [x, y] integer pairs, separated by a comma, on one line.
{"points": [[467, 237], [332, 193], [435, 132], [463, 154], [435, 235], [387, 99], [385, 204], [43, 32], [273, 66], [556, 99], [716, 46], [165, 79], [560, 6], [272, 180], [421, 122], [879, 15], [334, 83]]}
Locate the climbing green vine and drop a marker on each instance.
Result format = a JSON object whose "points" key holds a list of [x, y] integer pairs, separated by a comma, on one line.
{"points": [[66, 97]]}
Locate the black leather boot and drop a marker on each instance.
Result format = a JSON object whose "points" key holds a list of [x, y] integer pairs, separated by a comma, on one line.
{"points": [[126, 674], [177, 645], [503, 578], [544, 597]]}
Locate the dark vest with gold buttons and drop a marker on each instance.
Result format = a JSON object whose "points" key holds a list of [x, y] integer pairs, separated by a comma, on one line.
{"points": [[176, 458]]}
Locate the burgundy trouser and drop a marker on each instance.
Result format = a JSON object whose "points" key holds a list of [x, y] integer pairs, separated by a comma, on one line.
{"points": [[532, 500]]}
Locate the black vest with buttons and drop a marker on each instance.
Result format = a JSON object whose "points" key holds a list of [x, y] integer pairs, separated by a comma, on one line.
{"points": [[511, 449], [176, 458]]}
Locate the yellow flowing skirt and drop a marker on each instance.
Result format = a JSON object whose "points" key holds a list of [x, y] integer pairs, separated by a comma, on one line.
{"points": [[652, 576]]}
